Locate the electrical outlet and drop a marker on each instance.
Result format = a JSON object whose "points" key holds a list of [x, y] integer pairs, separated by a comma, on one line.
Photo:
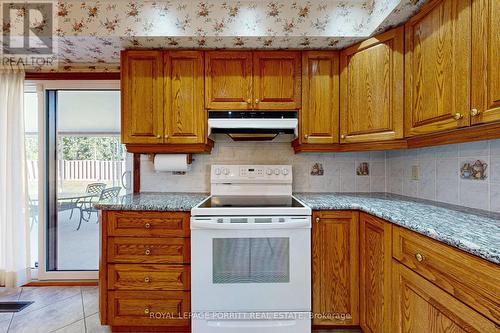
{"points": [[415, 172]]}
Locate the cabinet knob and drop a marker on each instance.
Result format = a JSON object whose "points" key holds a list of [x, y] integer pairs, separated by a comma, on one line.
{"points": [[158, 136], [249, 101], [146, 311], [147, 279], [147, 252], [342, 136], [475, 112], [166, 136], [306, 136], [419, 257], [147, 225], [458, 116], [317, 220], [257, 101]]}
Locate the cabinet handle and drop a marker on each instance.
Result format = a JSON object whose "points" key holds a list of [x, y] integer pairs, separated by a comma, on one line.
{"points": [[317, 220], [166, 136], [147, 279], [146, 311], [249, 101], [458, 116], [147, 252], [158, 136], [147, 225], [306, 136], [257, 101], [475, 112], [342, 136], [420, 257]]}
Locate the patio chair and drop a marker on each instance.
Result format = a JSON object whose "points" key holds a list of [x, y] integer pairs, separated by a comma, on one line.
{"points": [[106, 194], [33, 210], [92, 188]]}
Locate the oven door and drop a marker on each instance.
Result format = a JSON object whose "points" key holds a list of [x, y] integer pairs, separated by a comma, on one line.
{"points": [[245, 264]]}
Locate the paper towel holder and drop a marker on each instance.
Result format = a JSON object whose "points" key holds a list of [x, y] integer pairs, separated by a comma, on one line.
{"points": [[189, 157]]}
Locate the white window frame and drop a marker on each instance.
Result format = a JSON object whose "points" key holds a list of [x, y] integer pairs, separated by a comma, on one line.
{"points": [[41, 87]]}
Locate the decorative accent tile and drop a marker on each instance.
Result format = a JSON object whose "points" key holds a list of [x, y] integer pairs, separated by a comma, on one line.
{"points": [[363, 169], [474, 170], [317, 169]]}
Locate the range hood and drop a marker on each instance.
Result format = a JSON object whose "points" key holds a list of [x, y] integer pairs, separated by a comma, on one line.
{"points": [[279, 126]]}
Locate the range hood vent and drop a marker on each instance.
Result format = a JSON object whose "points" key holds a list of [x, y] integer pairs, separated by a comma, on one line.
{"points": [[279, 126]]}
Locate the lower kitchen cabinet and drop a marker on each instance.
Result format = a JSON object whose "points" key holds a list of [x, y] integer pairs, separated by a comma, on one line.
{"points": [[422, 307], [375, 274], [335, 268]]}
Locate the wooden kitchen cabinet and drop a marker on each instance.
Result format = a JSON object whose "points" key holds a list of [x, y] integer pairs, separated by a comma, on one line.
{"points": [[259, 80], [421, 307], [371, 89], [437, 67], [319, 119], [142, 96], [485, 61], [277, 78], [375, 258], [163, 102], [335, 268], [228, 80], [185, 118]]}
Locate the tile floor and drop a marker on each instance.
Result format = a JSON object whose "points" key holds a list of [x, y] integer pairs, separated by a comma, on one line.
{"points": [[60, 310]]}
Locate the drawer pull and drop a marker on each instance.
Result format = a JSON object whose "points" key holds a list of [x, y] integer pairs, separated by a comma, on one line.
{"points": [[147, 252], [146, 311], [147, 279], [317, 220], [147, 225], [419, 257]]}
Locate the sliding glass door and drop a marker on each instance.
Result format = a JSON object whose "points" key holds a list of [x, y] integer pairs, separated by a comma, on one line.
{"points": [[85, 163]]}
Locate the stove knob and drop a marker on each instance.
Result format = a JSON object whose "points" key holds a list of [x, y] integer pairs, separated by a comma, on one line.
{"points": [[225, 171], [269, 171], [217, 171], [276, 171], [284, 172]]}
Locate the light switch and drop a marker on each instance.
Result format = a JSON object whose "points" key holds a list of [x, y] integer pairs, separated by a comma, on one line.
{"points": [[415, 172]]}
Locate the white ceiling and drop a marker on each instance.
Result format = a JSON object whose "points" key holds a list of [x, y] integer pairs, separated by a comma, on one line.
{"points": [[92, 33]]}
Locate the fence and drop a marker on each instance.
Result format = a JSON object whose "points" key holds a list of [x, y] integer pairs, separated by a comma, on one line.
{"points": [[83, 170]]}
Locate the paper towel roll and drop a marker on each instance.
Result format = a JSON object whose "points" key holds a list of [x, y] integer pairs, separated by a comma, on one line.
{"points": [[171, 162]]}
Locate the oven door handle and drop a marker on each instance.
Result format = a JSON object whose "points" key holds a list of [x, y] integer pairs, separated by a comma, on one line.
{"points": [[303, 224]]}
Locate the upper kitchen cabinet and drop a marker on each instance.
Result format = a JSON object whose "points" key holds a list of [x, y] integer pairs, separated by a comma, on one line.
{"points": [[142, 96], [320, 97], [437, 67], [260, 80], [185, 117], [228, 84], [277, 80], [485, 61], [371, 92], [162, 102]]}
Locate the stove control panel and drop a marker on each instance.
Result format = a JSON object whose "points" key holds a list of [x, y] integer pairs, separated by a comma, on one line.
{"points": [[278, 173]]}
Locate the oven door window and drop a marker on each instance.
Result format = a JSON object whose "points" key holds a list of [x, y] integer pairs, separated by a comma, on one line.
{"points": [[251, 260]]}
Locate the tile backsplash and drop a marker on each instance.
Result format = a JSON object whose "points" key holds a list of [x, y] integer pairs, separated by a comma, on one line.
{"points": [[440, 174], [325, 172], [429, 173]]}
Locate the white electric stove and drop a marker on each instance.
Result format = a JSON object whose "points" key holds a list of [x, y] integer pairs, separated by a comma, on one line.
{"points": [[251, 253]]}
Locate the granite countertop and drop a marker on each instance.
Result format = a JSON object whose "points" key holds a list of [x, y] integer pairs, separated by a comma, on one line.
{"points": [[153, 201], [473, 231]]}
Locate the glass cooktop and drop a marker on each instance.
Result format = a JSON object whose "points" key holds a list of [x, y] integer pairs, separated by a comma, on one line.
{"points": [[250, 201]]}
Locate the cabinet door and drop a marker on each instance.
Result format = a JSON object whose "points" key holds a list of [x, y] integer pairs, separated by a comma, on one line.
{"points": [[276, 80], [228, 76], [371, 89], [185, 116], [320, 96], [437, 67], [421, 307], [142, 96], [485, 61], [375, 274], [335, 268]]}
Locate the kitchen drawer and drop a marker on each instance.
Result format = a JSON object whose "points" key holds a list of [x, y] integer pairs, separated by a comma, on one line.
{"points": [[472, 280], [148, 250], [148, 277], [149, 308], [148, 224]]}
